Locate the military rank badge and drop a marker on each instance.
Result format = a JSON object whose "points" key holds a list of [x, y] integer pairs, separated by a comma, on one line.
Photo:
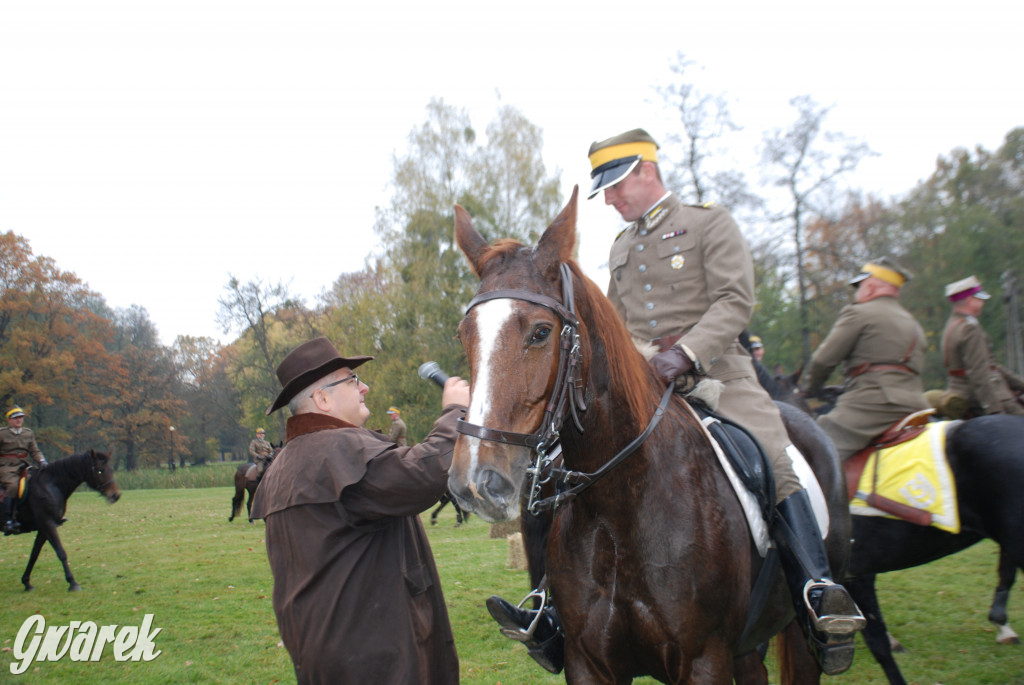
{"points": [[677, 261]]}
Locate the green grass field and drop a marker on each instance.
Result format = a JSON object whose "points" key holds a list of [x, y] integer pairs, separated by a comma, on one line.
{"points": [[173, 554]]}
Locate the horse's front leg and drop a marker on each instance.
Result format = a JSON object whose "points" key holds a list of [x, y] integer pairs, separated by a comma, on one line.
{"points": [[997, 613], [37, 546], [875, 634], [51, 534]]}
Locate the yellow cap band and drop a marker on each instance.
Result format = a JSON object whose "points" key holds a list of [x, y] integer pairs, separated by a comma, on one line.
{"points": [[883, 274], [647, 151]]}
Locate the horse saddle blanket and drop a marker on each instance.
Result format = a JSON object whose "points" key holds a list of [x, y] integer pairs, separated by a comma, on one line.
{"points": [[911, 480], [252, 474], [22, 491], [750, 473]]}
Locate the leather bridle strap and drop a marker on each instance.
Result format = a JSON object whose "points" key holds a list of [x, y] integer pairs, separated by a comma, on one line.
{"points": [[585, 480], [567, 385]]}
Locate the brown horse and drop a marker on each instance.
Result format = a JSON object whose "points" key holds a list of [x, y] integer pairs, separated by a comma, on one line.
{"points": [[243, 484], [649, 559], [46, 501]]}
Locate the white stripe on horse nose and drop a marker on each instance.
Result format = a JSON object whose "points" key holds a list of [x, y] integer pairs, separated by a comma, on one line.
{"points": [[491, 317]]}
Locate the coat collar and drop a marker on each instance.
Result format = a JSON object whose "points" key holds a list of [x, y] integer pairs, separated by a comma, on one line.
{"points": [[312, 422]]}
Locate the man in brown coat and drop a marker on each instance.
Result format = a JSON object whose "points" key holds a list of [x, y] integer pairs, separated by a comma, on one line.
{"points": [[682, 279], [987, 387], [356, 592], [881, 347]]}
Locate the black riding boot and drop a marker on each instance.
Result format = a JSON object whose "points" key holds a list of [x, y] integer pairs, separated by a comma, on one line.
{"points": [[540, 630], [11, 525], [829, 615]]}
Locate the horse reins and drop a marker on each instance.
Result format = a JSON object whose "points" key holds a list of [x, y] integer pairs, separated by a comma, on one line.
{"points": [[567, 399]]}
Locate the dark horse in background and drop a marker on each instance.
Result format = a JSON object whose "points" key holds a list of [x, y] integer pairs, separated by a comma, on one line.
{"points": [[652, 563], [986, 455], [247, 479], [46, 501], [446, 499]]}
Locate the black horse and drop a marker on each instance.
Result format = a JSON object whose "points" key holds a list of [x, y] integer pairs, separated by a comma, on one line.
{"points": [[447, 498], [46, 500], [986, 455]]}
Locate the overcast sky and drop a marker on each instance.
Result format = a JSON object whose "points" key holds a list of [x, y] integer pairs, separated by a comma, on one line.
{"points": [[152, 147]]}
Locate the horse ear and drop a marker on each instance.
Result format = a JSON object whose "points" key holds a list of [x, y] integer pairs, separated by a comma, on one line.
{"points": [[469, 239], [559, 240]]}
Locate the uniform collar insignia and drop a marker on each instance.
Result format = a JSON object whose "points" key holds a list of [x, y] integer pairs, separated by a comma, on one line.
{"points": [[655, 216]]}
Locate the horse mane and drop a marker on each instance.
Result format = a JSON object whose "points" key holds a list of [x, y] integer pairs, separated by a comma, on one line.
{"points": [[629, 373]]}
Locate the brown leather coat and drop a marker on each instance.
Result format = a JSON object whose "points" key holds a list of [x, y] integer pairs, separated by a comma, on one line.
{"points": [[356, 591]]}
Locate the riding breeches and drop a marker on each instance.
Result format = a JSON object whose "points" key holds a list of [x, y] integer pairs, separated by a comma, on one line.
{"points": [[744, 401]]}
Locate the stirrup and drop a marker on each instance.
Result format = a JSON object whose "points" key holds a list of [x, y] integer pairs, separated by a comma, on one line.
{"points": [[521, 634], [839, 616]]}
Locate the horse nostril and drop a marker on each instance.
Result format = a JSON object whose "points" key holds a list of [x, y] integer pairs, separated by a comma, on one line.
{"points": [[496, 487]]}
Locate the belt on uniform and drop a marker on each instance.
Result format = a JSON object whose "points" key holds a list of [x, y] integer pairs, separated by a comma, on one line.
{"points": [[13, 456], [960, 373], [868, 366]]}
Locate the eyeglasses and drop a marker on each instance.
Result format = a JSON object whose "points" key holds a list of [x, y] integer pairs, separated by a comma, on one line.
{"points": [[353, 377]]}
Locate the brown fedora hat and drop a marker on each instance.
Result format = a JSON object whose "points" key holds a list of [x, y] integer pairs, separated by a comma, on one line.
{"points": [[307, 363]]}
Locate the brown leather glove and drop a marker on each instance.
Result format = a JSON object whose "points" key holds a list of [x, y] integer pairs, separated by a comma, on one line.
{"points": [[671, 363]]}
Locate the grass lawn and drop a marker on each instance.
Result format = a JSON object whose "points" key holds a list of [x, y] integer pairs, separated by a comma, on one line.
{"points": [[173, 554]]}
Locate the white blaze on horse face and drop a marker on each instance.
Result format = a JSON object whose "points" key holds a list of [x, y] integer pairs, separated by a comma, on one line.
{"points": [[491, 317]]}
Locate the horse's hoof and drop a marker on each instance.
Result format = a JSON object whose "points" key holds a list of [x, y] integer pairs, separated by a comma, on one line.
{"points": [[74, 587], [29, 588], [433, 522]]}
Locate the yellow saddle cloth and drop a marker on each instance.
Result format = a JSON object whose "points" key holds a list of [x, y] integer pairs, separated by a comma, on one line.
{"points": [[914, 473]]}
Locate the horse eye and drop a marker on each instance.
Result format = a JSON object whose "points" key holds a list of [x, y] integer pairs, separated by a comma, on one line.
{"points": [[540, 334]]}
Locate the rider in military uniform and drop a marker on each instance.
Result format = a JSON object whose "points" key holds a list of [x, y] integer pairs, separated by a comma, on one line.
{"points": [[881, 347], [682, 279], [261, 451], [17, 449], [397, 432], [973, 373]]}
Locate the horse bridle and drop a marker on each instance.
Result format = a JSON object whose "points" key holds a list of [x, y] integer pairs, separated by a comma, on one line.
{"points": [[568, 393], [568, 397]]}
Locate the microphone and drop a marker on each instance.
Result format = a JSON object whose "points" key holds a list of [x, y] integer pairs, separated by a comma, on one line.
{"points": [[431, 371]]}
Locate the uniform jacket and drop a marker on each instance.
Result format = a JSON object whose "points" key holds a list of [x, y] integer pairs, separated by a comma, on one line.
{"points": [[973, 372], [22, 444], [356, 593], [260, 448], [879, 331], [397, 432], [686, 270]]}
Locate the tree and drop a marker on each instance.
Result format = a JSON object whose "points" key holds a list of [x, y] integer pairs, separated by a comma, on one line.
{"points": [[706, 121], [140, 397], [49, 332], [255, 309], [809, 162], [417, 293]]}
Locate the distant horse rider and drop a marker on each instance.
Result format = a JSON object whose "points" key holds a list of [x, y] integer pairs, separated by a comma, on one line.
{"points": [[261, 451], [398, 430], [18, 449], [881, 346], [974, 376]]}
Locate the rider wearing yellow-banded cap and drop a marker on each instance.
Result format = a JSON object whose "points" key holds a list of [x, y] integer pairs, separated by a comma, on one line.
{"points": [[612, 159], [18, 449]]}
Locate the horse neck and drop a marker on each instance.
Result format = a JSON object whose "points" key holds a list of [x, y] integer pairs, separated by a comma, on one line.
{"points": [[610, 422], [66, 474]]}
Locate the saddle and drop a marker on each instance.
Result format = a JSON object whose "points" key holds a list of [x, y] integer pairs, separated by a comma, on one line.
{"points": [[23, 481], [252, 474], [864, 487]]}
